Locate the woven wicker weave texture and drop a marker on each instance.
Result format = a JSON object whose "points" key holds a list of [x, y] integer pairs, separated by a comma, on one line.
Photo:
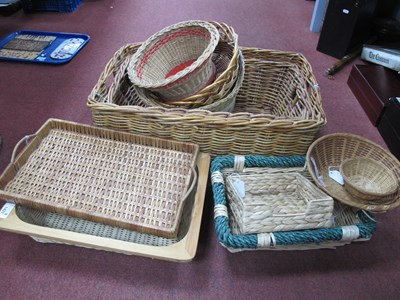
{"points": [[173, 46], [368, 179], [277, 202], [362, 224], [218, 95], [110, 177], [332, 149], [277, 113], [60, 221]]}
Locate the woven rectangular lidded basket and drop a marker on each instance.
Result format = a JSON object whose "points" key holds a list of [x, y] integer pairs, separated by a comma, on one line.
{"points": [[268, 202], [116, 178], [349, 225], [278, 108]]}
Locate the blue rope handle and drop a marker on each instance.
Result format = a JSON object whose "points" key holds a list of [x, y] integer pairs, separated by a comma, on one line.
{"points": [[249, 241]]}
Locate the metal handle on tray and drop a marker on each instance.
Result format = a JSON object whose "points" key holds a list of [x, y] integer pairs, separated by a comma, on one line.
{"points": [[24, 139]]}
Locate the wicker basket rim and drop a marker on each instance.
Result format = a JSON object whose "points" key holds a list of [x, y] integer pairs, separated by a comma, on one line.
{"points": [[295, 177], [348, 199], [228, 96], [353, 136], [392, 188], [200, 60], [217, 118]]}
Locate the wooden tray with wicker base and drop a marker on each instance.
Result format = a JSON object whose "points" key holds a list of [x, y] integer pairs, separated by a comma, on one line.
{"points": [[130, 181], [57, 228]]}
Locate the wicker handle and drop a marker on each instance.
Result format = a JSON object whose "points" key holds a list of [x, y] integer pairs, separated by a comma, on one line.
{"points": [[108, 76], [194, 172], [24, 139]]}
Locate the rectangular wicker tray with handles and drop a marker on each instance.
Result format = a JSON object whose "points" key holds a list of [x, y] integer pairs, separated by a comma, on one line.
{"points": [[278, 108], [49, 227], [350, 225], [116, 178]]}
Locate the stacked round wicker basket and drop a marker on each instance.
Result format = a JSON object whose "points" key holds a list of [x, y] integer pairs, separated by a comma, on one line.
{"points": [[192, 64], [355, 171]]}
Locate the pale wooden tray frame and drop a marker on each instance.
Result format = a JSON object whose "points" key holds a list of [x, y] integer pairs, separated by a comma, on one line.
{"points": [[182, 251]]}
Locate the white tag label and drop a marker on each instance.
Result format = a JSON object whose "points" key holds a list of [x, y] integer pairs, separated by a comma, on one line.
{"points": [[335, 175], [6, 209], [239, 185]]}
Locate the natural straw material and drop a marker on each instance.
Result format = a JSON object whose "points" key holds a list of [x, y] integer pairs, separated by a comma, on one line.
{"points": [[229, 67], [328, 152], [172, 47], [278, 109], [135, 182], [367, 179], [277, 202], [67, 223], [350, 226], [122, 87]]}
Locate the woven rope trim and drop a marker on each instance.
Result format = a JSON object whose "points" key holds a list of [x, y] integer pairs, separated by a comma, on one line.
{"points": [[220, 211], [365, 222], [266, 240], [217, 177], [239, 163]]}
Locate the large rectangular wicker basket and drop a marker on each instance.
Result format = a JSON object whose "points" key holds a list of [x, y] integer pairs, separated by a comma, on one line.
{"points": [[349, 225], [278, 109], [116, 178]]}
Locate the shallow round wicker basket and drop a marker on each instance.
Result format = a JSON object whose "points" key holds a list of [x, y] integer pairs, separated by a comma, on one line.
{"points": [[332, 149], [176, 61], [367, 179]]}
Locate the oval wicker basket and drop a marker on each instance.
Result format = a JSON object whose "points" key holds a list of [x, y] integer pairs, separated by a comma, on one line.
{"points": [[186, 47], [132, 95], [332, 149], [226, 58], [224, 100], [367, 179]]}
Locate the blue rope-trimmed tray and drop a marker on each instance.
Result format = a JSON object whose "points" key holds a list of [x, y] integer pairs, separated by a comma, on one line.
{"points": [[360, 230]]}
